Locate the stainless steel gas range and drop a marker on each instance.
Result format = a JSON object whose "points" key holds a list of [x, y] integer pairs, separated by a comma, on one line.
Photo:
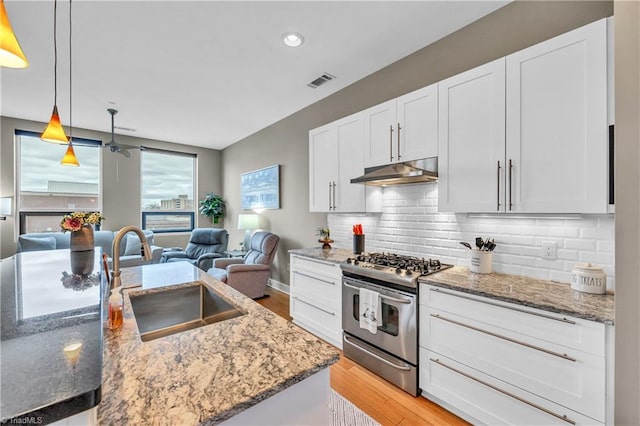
{"points": [[392, 352]]}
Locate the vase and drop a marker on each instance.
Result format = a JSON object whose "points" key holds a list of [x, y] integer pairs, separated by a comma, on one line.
{"points": [[82, 262], [82, 240]]}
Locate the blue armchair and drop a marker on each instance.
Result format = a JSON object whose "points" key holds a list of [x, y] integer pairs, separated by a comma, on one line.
{"points": [[205, 244]]}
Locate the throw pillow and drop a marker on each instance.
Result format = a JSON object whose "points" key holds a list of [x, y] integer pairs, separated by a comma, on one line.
{"points": [[36, 243], [133, 246]]}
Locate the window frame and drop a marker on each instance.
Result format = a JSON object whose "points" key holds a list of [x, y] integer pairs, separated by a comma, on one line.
{"points": [[145, 214], [22, 213]]}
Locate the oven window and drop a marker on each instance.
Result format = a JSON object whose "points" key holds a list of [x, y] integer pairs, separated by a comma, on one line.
{"points": [[389, 316]]}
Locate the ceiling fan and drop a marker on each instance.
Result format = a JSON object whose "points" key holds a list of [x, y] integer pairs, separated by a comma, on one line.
{"points": [[114, 146]]}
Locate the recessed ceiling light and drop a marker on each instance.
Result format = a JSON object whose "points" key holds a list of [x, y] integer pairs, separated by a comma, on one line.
{"points": [[292, 39]]}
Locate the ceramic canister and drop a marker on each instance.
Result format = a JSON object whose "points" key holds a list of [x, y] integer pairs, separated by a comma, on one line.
{"points": [[588, 278]]}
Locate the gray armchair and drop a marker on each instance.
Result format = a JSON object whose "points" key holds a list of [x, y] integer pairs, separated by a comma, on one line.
{"points": [[205, 245], [249, 275]]}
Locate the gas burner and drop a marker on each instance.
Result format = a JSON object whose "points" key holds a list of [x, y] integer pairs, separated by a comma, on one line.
{"points": [[402, 270]]}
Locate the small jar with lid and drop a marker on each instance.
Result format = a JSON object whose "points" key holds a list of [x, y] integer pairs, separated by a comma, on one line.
{"points": [[588, 278]]}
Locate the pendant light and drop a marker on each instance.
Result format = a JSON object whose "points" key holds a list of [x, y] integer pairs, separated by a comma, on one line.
{"points": [[11, 55], [54, 132], [69, 158]]}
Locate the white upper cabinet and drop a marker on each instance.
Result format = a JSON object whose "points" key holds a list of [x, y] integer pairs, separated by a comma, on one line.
{"points": [[336, 157], [471, 140], [402, 129], [557, 123], [552, 157]]}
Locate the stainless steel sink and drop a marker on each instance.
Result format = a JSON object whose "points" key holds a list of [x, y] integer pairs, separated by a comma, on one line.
{"points": [[163, 313]]}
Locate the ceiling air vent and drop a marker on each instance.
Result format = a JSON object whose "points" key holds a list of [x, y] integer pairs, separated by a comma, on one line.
{"points": [[321, 80]]}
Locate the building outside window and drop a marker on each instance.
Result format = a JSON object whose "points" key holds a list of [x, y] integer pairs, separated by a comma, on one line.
{"points": [[168, 191], [47, 190]]}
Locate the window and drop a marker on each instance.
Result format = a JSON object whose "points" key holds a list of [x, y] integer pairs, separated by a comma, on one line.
{"points": [[168, 182], [48, 190]]}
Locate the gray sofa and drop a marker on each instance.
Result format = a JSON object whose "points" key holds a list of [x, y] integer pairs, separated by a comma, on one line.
{"points": [[129, 246]]}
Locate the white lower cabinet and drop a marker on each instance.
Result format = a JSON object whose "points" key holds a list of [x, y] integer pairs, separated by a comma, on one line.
{"points": [[315, 302], [498, 362]]}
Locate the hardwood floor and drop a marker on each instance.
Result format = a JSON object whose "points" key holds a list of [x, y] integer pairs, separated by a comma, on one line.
{"points": [[381, 400]]}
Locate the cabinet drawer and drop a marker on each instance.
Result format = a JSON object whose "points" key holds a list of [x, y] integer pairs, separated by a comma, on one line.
{"points": [[575, 333], [321, 320], [568, 377], [488, 400], [315, 287], [328, 271]]}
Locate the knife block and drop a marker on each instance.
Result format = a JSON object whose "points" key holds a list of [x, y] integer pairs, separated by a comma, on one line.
{"points": [[358, 244]]}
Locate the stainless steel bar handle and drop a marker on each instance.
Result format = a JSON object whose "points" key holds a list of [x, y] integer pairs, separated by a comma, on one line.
{"points": [[334, 196], [486, 302], [314, 278], [498, 180], [510, 183], [399, 156], [509, 394], [383, 296], [378, 357], [390, 142], [329, 195], [322, 262], [509, 339], [314, 306]]}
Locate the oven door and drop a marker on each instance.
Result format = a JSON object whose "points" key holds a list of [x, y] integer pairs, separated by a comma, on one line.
{"points": [[398, 332]]}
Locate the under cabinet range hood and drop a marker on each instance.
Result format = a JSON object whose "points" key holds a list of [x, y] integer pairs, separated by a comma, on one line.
{"points": [[417, 171]]}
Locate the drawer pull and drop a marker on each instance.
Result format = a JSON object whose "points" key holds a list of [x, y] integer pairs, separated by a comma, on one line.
{"points": [[509, 339], [314, 306], [315, 278], [509, 394], [565, 320]]}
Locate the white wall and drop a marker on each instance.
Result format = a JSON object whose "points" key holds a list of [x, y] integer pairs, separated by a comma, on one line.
{"points": [[410, 224]]}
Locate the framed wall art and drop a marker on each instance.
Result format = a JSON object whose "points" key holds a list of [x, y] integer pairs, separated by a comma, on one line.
{"points": [[260, 189]]}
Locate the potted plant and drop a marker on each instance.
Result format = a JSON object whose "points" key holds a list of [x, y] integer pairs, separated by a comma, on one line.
{"points": [[212, 207]]}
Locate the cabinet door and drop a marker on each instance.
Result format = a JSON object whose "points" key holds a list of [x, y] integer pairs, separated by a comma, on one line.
{"points": [[379, 134], [471, 140], [323, 158], [350, 197], [557, 123], [417, 124]]}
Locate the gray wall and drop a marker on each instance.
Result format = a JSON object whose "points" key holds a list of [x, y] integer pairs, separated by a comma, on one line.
{"points": [[120, 177], [627, 237], [518, 25]]}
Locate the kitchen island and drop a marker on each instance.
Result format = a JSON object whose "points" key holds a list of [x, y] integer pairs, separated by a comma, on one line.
{"points": [[210, 374], [51, 350]]}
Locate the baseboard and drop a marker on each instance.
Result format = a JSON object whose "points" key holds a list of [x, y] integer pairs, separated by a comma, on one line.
{"points": [[275, 284]]}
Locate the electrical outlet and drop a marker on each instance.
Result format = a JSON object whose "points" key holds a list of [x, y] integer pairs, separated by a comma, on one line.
{"points": [[549, 250]]}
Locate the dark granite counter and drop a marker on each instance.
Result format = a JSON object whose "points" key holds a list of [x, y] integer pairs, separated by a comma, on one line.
{"points": [[208, 374], [334, 255], [546, 295], [51, 333]]}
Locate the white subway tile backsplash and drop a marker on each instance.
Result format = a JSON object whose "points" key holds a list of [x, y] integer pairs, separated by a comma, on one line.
{"points": [[410, 224]]}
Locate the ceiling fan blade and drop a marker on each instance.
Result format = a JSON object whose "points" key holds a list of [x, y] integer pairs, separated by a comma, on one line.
{"points": [[125, 152]]}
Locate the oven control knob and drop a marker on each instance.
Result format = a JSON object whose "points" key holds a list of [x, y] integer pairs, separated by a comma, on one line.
{"points": [[408, 272], [398, 270], [349, 260], [355, 262]]}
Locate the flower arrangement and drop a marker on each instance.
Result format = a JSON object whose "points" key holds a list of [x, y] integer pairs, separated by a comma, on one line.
{"points": [[323, 233], [76, 220]]}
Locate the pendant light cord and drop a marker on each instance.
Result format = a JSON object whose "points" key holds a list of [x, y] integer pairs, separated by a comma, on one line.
{"points": [[70, 80], [55, 53]]}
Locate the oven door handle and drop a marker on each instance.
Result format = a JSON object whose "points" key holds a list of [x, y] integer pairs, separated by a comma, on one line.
{"points": [[378, 357], [383, 296]]}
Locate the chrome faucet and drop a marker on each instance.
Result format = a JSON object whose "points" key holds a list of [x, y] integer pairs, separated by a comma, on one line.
{"points": [[115, 251]]}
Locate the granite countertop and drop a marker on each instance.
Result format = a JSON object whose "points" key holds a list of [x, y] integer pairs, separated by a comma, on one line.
{"points": [[51, 331], [546, 295], [334, 255], [208, 374]]}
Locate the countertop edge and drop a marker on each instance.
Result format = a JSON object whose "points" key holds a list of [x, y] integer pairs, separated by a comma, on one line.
{"points": [[544, 307]]}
